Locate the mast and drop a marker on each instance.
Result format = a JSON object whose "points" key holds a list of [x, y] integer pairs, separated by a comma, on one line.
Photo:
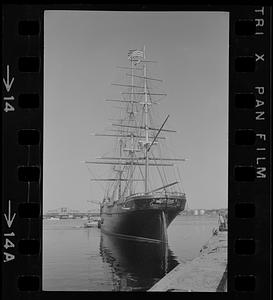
{"points": [[146, 125], [130, 118], [120, 171]]}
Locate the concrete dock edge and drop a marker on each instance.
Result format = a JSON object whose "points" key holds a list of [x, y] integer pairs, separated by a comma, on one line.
{"points": [[205, 273]]}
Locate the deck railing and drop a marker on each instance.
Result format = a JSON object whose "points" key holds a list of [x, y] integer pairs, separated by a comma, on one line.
{"points": [[158, 194]]}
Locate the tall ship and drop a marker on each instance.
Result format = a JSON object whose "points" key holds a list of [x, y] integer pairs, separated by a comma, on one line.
{"points": [[141, 200]]}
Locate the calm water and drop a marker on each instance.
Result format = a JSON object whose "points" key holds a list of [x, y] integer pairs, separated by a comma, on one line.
{"points": [[84, 259]]}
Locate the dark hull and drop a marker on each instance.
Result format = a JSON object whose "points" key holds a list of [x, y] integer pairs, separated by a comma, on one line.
{"points": [[141, 218]]}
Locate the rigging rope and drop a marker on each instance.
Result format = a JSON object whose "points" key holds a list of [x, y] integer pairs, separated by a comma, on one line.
{"points": [[160, 154], [91, 173]]}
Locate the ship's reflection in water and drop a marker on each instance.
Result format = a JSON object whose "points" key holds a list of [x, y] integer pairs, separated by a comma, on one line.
{"points": [[135, 265]]}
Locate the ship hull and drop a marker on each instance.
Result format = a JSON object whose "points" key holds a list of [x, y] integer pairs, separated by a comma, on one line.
{"points": [[141, 218]]}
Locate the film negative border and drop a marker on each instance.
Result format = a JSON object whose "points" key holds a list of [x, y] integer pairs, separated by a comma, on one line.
{"points": [[248, 267], [249, 151], [22, 108]]}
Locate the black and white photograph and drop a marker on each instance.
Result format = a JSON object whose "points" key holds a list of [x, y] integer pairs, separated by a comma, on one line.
{"points": [[135, 151]]}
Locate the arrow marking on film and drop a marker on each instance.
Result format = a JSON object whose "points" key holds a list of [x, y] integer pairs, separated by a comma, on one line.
{"points": [[8, 219], [7, 82]]}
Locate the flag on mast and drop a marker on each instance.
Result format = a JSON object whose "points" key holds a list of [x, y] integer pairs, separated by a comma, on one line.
{"points": [[132, 54]]}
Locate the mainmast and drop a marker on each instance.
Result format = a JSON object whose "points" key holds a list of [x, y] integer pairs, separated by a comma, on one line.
{"points": [[146, 125], [120, 168], [131, 116]]}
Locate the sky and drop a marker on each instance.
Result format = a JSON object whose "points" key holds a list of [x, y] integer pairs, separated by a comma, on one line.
{"points": [[82, 50]]}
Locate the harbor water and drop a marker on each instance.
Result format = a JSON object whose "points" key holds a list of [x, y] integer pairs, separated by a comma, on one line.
{"points": [[84, 259]]}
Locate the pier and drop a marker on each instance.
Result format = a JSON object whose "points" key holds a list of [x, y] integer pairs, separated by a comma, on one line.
{"points": [[205, 273], [67, 213]]}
